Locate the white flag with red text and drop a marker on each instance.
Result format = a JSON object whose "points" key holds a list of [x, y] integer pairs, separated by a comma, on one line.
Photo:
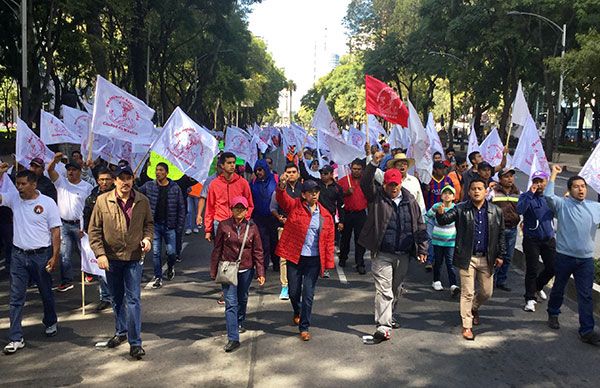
{"points": [[120, 115], [187, 145], [89, 264], [420, 149], [530, 145], [324, 122], [54, 131], [492, 148]]}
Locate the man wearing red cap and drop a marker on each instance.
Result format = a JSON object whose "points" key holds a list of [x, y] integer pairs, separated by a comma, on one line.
{"points": [[394, 232]]}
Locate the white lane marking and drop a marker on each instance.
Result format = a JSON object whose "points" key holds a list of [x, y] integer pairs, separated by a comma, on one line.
{"points": [[164, 267], [340, 271]]}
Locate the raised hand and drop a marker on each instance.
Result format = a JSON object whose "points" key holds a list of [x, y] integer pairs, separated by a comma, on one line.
{"points": [[378, 156]]}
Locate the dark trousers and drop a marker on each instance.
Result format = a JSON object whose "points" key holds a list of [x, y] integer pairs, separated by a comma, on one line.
{"points": [[302, 280], [353, 223], [6, 239], [533, 249], [268, 234], [442, 254], [582, 270]]}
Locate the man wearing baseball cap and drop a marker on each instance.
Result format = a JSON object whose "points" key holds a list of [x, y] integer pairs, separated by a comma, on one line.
{"points": [[44, 185], [538, 239], [506, 195], [394, 232], [402, 163], [121, 230], [72, 192], [476, 159]]}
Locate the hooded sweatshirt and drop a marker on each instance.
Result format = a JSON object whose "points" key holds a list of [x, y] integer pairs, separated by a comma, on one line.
{"points": [[262, 190], [220, 194]]}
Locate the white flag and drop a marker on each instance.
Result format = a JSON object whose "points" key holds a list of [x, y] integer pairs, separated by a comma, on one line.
{"points": [[323, 121], [399, 137], [473, 144], [591, 170], [124, 150], [77, 121], [358, 139], [520, 112], [6, 185], [120, 115], [238, 142], [375, 127], [492, 148], [420, 149], [89, 264], [256, 145], [54, 131], [341, 152], [89, 107], [529, 146], [187, 145], [434, 137], [30, 146]]}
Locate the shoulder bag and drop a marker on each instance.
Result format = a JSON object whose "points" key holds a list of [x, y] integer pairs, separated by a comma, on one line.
{"points": [[227, 272]]}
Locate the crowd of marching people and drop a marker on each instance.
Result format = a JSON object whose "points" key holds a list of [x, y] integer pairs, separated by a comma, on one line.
{"points": [[464, 219]]}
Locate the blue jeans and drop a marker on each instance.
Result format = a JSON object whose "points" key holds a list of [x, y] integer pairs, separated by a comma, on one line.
{"points": [[583, 272], [69, 240], [124, 280], [442, 254], [103, 289], [302, 280], [236, 300], [24, 267], [170, 236], [510, 236], [192, 210]]}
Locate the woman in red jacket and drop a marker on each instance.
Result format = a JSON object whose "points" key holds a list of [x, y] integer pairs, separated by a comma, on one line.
{"points": [[307, 244], [228, 242]]}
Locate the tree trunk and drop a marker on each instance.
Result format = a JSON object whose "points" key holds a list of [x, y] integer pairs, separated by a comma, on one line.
{"points": [[580, 121], [137, 49], [477, 112], [97, 50], [451, 117]]}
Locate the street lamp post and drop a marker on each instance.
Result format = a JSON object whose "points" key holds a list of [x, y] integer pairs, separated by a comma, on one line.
{"points": [[563, 31]]}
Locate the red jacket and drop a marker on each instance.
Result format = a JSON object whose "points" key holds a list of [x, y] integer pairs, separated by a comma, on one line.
{"points": [[296, 227], [220, 193], [228, 243]]}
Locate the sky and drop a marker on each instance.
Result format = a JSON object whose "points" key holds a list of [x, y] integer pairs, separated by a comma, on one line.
{"points": [[291, 28]]}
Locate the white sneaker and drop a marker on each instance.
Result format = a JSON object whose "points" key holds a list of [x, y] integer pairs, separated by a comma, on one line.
{"points": [[13, 346], [542, 295], [196, 230], [188, 232], [437, 286], [454, 290], [51, 331], [530, 306]]}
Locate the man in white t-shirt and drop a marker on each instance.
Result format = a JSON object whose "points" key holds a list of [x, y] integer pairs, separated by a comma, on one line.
{"points": [[72, 192], [35, 252]]}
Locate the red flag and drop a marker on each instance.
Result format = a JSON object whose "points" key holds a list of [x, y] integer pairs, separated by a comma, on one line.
{"points": [[383, 101]]}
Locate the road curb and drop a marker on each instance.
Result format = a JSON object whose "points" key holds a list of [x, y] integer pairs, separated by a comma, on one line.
{"points": [[571, 292]]}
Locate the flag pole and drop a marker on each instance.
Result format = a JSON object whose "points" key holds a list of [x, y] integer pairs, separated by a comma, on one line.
{"points": [[508, 136], [90, 144], [348, 176], [82, 293]]}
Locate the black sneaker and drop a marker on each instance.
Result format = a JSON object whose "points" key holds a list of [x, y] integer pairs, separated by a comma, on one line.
{"points": [[380, 336], [137, 352], [342, 263], [591, 338], [157, 283], [553, 322], [428, 267], [116, 341], [503, 287], [170, 273], [361, 269], [63, 287], [231, 346], [178, 259], [103, 305], [241, 329]]}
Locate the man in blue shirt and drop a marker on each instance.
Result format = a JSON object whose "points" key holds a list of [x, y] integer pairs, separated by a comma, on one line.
{"points": [[578, 221], [538, 239]]}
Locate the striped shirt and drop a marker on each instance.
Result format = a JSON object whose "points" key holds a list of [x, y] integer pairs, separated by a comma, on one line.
{"points": [[434, 195], [442, 236]]}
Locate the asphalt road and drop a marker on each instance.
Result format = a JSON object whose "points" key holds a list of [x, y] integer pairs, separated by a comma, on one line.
{"points": [[184, 332]]}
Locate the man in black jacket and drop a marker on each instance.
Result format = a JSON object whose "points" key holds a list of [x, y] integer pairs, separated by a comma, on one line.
{"points": [[394, 232], [480, 247]]}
